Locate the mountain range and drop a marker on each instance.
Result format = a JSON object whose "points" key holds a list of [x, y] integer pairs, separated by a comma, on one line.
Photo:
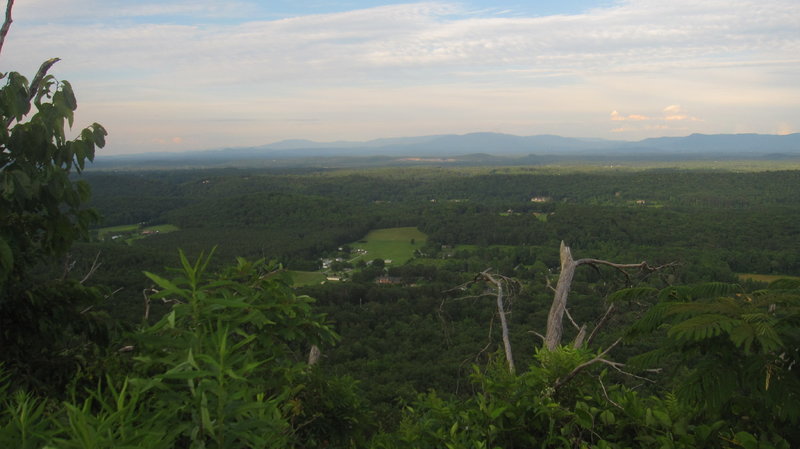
{"points": [[491, 146]]}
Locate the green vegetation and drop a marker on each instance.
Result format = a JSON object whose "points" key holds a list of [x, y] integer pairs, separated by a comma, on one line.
{"points": [[304, 278], [132, 233], [394, 244], [103, 348], [767, 278]]}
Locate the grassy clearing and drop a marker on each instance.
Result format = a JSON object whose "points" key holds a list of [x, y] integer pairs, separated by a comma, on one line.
{"points": [[102, 233], [764, 277], [390, 244], [133, 232], [303, 278]]}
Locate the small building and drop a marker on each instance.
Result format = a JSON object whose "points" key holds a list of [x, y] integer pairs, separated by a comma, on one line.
{"points": [[388, 280]]}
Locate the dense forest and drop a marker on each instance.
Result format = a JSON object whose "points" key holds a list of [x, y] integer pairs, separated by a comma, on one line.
{"points": [[418, 361], [512, 307]]}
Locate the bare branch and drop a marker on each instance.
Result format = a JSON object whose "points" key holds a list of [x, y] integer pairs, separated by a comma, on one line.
{"points": [[617, 365], [498, 283], [147, 301], [566, 311], [568, 265], [313, 355], [538, 335], [6, 24], [578, 342], [549, 284], [605, 393], [93, 268], [600, 323], [560, 382]]}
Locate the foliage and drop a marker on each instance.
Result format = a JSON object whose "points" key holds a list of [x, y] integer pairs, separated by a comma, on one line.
{"points": [[511, 411], [44, 324], [228, 352], [223, 369], [41, 209], [741, 350]]}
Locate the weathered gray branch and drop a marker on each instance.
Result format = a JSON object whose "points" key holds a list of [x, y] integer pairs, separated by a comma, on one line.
{"points": [[555, 326], [6, 24], [600, 323], [502, 312], [313, 355], [560, 382]]}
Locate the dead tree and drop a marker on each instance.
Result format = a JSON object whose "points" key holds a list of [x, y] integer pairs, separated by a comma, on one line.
{"points": [[504, 288], [555, 319], [499, 282]]}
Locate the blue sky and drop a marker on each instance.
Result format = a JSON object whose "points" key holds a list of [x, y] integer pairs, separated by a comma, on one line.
{"points": [[173, 75]]}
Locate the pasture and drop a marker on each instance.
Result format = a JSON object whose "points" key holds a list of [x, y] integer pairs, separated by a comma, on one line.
{"points": [[393, 244], [303, 278], [765, 277], [132, 232]]}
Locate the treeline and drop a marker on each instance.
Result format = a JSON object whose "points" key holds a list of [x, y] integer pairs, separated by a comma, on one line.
{"points": [[295, 217]]}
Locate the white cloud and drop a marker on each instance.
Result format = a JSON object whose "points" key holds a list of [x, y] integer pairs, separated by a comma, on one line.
{"points": [[637, 55]]}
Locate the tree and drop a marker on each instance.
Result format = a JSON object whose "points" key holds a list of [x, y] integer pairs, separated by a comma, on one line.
{"points": [[42, 211], [555, 319], [740, 350]]}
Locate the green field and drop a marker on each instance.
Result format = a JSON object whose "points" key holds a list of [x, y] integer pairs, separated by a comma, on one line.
{"points": [[302, 278], [765, 277], [390, 244], [102, 233], [133, 232]]}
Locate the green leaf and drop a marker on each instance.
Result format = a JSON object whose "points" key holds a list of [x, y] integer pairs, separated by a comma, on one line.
{"points": [[167, 285], [633, 294], [6, 259], [746, 440], [99, 135], [69, 96], [702, 327], [191, 374]]}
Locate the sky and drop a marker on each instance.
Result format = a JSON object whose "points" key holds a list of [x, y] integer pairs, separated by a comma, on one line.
{"points": [[176, 75]]}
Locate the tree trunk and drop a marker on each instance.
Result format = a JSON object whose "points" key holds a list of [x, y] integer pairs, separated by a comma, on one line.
{"points": [[503, 322], [555, 319]]}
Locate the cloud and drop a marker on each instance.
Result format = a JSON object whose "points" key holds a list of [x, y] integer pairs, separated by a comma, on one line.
{"points": [[665, 122], [616, 116], [784, 129], [175, 60], [675, 113]]}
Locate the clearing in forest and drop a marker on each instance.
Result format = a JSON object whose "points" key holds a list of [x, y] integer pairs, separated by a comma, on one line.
{"points": [[303, 278], [133, 232], [765, 277], [395, 244]]}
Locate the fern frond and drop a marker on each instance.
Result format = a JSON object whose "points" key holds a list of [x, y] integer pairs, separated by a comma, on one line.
{"points": [[702, 327], [651, 320], [674, 293], [784, 284], [768, 339], [649, 359], [714, 289], [721, 306], [632, 294]]}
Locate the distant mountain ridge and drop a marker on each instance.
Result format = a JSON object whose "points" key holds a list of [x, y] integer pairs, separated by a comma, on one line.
{"points": [[493, 145], [508, 144]]}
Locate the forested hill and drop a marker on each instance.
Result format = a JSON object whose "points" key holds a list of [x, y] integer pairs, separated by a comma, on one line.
{"points": [[461, 149], [412, 346]]}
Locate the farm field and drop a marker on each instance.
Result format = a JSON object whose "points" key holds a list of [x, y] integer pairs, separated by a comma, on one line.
{"points": [[304, 278], [393, 244], [132, 232], [765, 277]]}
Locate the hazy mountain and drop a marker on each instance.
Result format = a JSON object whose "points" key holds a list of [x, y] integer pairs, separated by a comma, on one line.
{"points": [[491, 146]]}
